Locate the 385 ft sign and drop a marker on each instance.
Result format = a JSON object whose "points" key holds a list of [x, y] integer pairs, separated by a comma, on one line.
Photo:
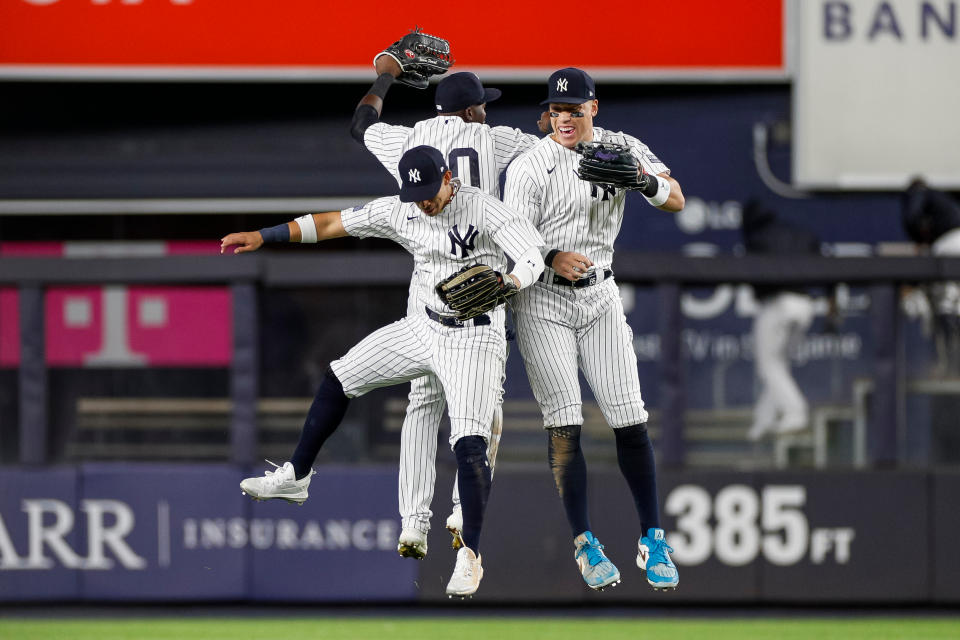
{"points": [[740, 524]]}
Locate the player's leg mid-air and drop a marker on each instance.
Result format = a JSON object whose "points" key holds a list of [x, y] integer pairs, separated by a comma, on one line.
{"points": [[418, 453], [570, 475], [455, 519]]}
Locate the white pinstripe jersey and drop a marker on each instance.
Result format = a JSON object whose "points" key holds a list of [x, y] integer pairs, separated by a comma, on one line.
{"points": [[570, 213], [476, 153], [473, 228]]}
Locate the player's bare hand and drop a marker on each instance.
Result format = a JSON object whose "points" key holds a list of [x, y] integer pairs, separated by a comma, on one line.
{"points": [[544, 123], [241, 242], [386, 64], [571, 265]]}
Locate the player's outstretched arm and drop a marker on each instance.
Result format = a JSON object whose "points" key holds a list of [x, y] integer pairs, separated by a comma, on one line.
{"points": [[241, 242], [309, 228], [368, 110]]}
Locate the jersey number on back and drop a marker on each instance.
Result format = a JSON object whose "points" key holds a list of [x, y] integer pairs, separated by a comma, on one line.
{"points": [[470, 174]]}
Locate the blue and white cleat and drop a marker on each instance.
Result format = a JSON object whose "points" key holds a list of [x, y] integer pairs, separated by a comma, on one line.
{"points": [[597, 570], [653, 556]]}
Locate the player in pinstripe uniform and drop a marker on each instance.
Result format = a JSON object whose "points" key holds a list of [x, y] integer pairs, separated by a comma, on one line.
{"points": [[477, 154], [445, 226], [573, 318]]}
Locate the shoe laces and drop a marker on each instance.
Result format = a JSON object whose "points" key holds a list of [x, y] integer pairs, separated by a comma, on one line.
{"points": [[594, 551], [658, 553], [272, 477]]}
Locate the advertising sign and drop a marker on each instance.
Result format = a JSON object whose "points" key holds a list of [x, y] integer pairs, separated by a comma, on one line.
{"points": [[876, 94], [185, 532], [305, 38]]}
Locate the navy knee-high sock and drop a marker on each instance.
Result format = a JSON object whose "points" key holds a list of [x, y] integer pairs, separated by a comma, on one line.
{"points": [[473, 483], [635, 456], [323, 418], [570, 474]]}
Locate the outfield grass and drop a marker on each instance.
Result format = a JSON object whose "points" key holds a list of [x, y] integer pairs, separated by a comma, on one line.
{"points": [[487, 628]]}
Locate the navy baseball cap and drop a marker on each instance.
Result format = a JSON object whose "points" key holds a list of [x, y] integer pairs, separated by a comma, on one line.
{"points": [[570, 86], [421, 173], [461, 90]]}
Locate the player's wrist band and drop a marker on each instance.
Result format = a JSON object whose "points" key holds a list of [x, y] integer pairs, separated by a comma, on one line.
{"points": [[661, 195], [548, 259], [279, 233], [308, 228], [381, 85], [528, 267]]}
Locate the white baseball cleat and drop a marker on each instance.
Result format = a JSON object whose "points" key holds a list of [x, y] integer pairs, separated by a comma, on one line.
{"points": [[455, 526], [412, 544], [466, 574], [280, 483]]}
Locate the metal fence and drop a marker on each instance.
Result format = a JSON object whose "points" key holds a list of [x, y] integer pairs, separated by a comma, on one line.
{"points": [[669, 274]]}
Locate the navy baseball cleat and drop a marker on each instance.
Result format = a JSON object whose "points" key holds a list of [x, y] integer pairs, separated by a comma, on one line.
{"points": [[597, 570], [280, 483], [653, 556]]}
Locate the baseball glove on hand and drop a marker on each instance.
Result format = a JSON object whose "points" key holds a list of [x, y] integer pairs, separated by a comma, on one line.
{"points": [[420, 56], [611, 164], [474, 290]]}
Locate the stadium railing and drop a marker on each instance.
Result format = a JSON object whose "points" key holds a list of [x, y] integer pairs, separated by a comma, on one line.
{"points": [[667, 273]]}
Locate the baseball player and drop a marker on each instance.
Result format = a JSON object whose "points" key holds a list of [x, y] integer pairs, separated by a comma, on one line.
{"points": [[572, 317], [445, 226], [477, 154]]}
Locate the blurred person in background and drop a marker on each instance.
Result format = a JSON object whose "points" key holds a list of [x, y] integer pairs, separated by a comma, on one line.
{"points": [[784, 314], [931, 219]]}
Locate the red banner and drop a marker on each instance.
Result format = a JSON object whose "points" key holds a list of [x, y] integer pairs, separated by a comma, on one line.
{"points": [[341, 38]]}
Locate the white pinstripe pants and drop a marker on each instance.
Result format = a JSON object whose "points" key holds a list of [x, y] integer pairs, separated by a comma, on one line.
{"points": [[418, 452], [561, 329], [468, 362]]}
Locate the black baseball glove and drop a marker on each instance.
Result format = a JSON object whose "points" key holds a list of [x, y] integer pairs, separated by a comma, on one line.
{"points": [[420, 55], [474, 290], [608, 163]]}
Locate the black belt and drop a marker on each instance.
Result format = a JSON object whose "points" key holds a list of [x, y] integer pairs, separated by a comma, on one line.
{"points": [[588, 281], [451, 321]]}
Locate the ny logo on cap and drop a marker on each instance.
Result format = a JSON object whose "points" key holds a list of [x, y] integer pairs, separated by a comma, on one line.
{"points": [[562, 84], [414, 175]]}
